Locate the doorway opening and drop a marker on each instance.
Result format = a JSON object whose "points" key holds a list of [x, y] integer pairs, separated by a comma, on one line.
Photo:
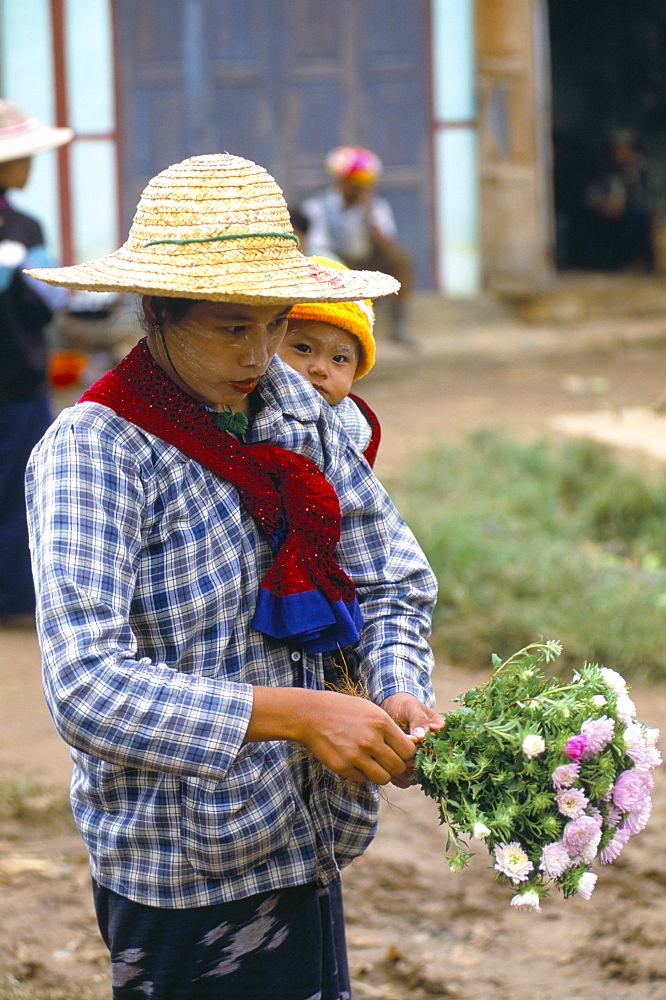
{"points": [[608, 64]]}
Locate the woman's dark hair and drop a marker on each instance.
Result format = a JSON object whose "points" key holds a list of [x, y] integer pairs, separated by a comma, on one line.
{"points": [[165, 307], [299, 220]]}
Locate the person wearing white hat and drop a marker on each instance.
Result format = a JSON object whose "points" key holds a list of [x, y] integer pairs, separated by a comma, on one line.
{"points": [[26, 307], [206, 544]]}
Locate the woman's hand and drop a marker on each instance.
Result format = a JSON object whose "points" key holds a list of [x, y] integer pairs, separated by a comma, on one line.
{"points": [[416, 718], [354, 737]]}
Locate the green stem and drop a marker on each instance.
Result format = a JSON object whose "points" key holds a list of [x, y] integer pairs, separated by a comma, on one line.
{"points": [[542, 697], [514, 656]]}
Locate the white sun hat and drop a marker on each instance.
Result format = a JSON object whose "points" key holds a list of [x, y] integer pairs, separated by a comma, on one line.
{"points": [[217, 227], [21, 136]]}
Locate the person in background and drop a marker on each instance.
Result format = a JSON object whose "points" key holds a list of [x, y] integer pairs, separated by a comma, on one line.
{"points": [[205, 541], [349, 221], [300, 224], [332, 345], [615, 227], [26, 308]]}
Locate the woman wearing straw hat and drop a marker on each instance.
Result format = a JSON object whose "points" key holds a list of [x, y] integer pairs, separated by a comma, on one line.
{"points": [[205, 540], [26, 307]]}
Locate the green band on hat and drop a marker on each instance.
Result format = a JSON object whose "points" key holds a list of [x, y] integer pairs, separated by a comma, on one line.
{"points": [[229, 236]]}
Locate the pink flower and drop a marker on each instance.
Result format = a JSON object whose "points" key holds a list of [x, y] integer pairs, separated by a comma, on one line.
{"points": [[555, 859], [631, 790], [565, 775], [614, 815], [571, 802], [637, 818], [612, 850], [598, 732], [575, 747], [580, 832]]}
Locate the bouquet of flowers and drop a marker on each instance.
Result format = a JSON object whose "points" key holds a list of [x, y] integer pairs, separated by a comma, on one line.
{"points": [[548, 774]]}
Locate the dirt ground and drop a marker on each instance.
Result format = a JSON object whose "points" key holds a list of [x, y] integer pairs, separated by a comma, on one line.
{"points": [[415, 930]]}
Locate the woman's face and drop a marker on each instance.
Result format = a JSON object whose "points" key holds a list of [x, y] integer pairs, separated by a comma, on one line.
{"points": [[218, 351], [15, 173]]}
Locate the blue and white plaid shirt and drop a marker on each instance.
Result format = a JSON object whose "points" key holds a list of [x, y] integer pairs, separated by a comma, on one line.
{"points": [[147, 570]]}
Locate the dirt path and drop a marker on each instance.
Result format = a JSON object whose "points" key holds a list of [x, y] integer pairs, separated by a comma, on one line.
{"points": [[415, 930]]}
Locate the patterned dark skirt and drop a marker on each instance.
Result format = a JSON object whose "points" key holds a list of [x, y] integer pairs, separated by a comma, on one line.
{"points": [[283, 945]]}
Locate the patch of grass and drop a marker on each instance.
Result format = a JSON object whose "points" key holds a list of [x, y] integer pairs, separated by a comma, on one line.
{"points": [[544, 540], [25, 799]]}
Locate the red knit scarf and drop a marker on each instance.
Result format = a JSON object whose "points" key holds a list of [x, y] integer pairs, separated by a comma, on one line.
{"points": [[280, 489]]}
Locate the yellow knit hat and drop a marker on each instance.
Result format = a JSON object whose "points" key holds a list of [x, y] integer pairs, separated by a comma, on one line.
{"points": [[357, 318]]}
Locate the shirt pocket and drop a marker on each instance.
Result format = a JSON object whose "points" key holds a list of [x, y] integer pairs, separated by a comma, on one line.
{"points": [[352, 815], [231, 826]]}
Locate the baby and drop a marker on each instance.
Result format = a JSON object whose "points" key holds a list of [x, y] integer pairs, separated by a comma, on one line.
{"points": [[332, 345]]}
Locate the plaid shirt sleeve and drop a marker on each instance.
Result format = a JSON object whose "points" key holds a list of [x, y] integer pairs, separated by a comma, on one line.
{"points": [[86, 500]]}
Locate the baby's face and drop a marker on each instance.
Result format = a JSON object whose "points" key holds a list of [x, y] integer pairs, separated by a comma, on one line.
{"points": [[326, 355]]}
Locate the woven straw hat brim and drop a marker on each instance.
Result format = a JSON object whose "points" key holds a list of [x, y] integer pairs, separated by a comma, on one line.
{"points": [[216, 227], [29, 138], [270, 276]]}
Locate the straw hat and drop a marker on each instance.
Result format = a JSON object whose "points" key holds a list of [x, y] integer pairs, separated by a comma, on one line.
{"points": [[21, 136], [216, 227]]}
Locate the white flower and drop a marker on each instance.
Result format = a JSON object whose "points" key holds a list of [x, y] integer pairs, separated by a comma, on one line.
{"points": [[480, 831], [599, 701], [652, 737], [640, 745], [533, 745], [512, 861], [589, 852], [626, 710], [634, 740], [528, 900], [615, 681], [586, 884]]}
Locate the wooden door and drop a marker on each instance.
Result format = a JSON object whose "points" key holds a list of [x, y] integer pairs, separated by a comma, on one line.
{"points": [[281, 82], [517, 242]]}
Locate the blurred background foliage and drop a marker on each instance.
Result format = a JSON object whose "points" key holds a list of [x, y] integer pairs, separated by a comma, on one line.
{"points": [[546, 539]]}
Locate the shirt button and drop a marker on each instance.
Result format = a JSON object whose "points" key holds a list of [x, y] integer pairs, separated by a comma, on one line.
{"points": [[296, 656]]}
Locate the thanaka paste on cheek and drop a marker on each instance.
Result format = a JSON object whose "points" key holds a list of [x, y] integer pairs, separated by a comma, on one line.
{"points": [[215, 365]]}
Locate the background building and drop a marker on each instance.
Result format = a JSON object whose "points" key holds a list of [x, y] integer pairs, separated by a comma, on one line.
{"points": [[459, 98]]}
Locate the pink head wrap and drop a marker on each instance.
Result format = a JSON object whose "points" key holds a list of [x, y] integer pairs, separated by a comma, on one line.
{"points": [[352, 161]]}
